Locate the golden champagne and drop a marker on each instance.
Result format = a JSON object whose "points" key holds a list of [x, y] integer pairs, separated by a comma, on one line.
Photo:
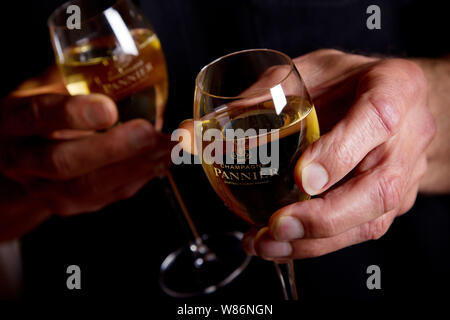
{"points": [[252, 189], [136, 82]]}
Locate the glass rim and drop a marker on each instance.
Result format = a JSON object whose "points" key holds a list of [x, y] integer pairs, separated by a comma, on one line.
{"points": [[255, 93], [56, 12]]}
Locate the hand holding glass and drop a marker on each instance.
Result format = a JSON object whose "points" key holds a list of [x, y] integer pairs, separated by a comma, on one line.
{"points": [[251, 106], [116, 52]]}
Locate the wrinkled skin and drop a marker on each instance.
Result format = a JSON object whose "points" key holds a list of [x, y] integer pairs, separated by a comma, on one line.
{"points": [[368, 164], [53, 159]]}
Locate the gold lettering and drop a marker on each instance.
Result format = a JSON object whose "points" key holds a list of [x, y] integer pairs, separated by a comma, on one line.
{"points": [[246, 176], [224, 174], [234, 175], [121, 83]]}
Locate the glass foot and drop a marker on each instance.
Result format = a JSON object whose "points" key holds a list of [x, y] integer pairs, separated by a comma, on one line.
{"points": [[203, 267]]}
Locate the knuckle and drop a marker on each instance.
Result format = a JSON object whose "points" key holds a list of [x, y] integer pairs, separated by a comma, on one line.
{"points": [[126, 193], [429, 128], [410, 74], [343, 151], [57, 163], [316, 223], [68, 114], [375, 229], [422, 167], [326, 227], [386, 112], [420, 82], [326, 52], [389, 190], [62, 206], [414, 73], [408, 204]]}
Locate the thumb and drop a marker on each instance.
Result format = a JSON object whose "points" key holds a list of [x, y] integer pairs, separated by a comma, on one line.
{"points": [[371, 121]]}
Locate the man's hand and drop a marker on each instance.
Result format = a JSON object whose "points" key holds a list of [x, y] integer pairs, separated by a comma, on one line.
{"points": [[53, 160], [366, 168]]}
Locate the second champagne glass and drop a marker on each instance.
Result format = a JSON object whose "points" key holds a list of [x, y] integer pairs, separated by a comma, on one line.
{"points": [[254, 118], [114, 51]]}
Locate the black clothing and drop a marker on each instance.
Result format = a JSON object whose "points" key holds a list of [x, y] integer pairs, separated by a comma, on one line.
{"points": [[120, 248]]}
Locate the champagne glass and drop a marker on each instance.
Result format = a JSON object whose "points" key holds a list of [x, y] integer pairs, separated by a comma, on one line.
{"points": [[113, 50], [245, 104]]}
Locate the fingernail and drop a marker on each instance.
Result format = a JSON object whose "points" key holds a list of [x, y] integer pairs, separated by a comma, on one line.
{"points": [[288, 228], [142, 135], [268, 248], [314, 178], [100, 111], [275, 249]]}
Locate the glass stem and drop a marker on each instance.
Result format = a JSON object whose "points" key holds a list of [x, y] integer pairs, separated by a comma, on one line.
{"points": [[286, 274], [195, 235]]}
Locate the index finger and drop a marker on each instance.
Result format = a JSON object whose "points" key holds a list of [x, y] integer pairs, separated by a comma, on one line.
{"points": [[43, 114], [360, 200]]}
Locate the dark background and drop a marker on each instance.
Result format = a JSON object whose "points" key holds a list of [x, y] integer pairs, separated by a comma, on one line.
{"points": [[120, 248]]}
